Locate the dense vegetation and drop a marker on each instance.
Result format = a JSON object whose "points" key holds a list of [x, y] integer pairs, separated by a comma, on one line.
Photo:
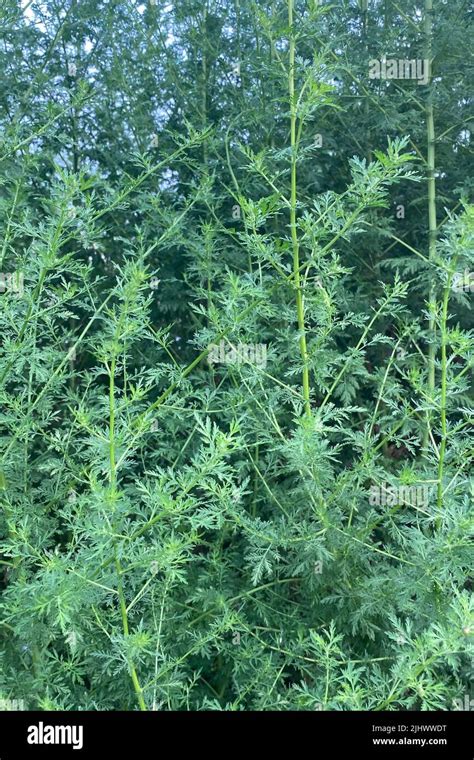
{"points": [[236, 356]]}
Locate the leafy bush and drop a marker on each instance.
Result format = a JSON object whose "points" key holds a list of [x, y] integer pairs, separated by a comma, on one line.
{"points": [[234, 466]]}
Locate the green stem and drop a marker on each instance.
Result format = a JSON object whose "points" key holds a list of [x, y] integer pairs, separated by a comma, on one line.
{"points": [[113, 483], [432, 221], [444, 387], [293, 201]]}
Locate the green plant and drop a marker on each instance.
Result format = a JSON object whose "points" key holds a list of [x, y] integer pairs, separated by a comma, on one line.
{"points": [[186, 528]]}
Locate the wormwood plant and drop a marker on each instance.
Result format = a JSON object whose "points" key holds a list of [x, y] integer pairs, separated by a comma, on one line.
{"points": [[181, 534]]}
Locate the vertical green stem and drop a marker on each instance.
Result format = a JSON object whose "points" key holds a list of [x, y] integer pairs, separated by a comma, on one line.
{"points": [[364, 8], [255, 481], [432, 222], [205, 75], [293, 200], [444, 387], [112, 467], [113, 483]]}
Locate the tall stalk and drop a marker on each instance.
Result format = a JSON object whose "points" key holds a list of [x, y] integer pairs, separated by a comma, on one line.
{"points": [[444, 392], [118, 566], [205, 77], [293, 201], [432, 221], [364, 9]]}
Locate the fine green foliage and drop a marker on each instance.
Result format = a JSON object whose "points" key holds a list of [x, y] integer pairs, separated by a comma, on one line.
{"points": [[235, 386]]}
